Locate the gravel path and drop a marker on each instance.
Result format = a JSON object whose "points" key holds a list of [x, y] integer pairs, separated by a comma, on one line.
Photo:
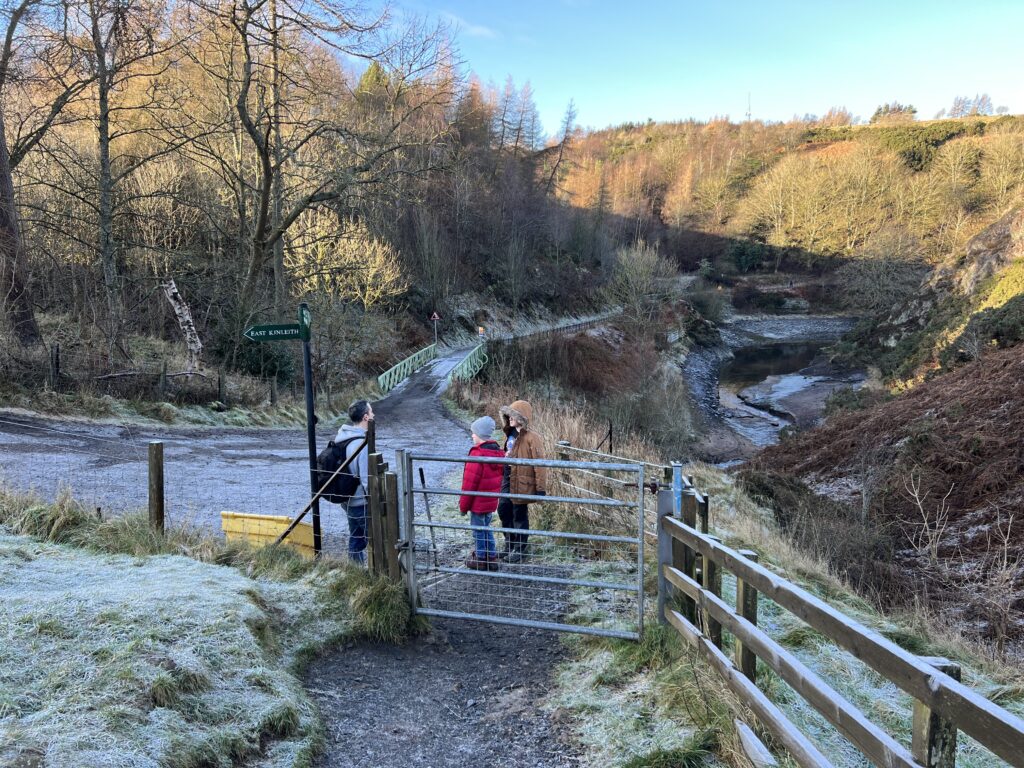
{"points": [[464, 695]]}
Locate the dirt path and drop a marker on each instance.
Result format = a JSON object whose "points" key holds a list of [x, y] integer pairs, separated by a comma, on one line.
{"points": [[465, 695]]}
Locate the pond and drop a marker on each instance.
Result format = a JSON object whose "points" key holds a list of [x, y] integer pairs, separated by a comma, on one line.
{"points": [[752, 365], [766, 388]]}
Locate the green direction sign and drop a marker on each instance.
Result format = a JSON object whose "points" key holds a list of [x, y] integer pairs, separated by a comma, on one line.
{"points": [[285, 332]]}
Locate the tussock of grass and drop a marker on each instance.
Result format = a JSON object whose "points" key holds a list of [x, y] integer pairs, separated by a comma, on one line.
{"points": [[382, 611], [697, 751]]}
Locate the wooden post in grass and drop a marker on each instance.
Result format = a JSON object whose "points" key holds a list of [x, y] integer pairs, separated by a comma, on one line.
{"points": [[222, 390], [161, 385], [375, 526], [711, 578], [682, 555], [664, 552], [391, 525], [746, 606], [156, 486], [934, 737], [55, 367], [273, 390], [689, 516]]}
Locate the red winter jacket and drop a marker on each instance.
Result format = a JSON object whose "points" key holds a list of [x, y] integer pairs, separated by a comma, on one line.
{"points": [[482, 477]]}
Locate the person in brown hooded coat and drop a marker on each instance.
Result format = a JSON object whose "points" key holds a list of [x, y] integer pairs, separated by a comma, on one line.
{"points": [[521, 442]]}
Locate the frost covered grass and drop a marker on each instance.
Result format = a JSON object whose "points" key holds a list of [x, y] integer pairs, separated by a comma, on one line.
{"points": [[125, 648], [645, 704]]}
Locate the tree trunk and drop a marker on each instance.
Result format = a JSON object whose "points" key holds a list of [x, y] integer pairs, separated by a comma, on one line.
{"points": [[280, 279], [14, 292], [108, 255]]}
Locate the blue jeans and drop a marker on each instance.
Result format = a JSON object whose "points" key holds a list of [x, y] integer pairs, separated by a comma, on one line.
{"points": [[356, 533], [482, 536]]}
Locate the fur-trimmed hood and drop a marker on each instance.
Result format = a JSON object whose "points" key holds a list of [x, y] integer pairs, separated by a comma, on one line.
{"points": [[521, 409]]}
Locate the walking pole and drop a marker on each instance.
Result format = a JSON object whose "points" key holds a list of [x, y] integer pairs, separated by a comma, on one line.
{"points": [[426, 500]]}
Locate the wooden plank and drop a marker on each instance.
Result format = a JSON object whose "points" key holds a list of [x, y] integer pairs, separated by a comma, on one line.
{"points": [[391, 526], [756, 752], [375, 549], [664, 553], [875, 743], [156, 486], [711, 579], [746, 606], [802, 750], [994, 727]]}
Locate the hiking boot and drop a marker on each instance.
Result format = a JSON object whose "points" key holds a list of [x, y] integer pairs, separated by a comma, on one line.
{"points": [[476, 564], [515, 556]]}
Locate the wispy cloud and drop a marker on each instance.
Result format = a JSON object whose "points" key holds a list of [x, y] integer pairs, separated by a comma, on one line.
{"points": [[473, 30]]}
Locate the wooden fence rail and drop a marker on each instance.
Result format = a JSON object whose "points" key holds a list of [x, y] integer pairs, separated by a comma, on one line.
{"points": [[690, 565]]}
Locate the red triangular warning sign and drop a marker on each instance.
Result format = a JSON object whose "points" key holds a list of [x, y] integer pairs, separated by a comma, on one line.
{"points": [[435, 317]]}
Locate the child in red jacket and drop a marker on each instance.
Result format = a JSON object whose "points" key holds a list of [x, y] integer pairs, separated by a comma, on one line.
{"points": [[485, 478]]}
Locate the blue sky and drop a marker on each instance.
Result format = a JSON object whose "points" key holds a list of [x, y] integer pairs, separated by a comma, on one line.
{"points": [[633, 60]]}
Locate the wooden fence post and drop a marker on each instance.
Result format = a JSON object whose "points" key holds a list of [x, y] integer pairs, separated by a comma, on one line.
{"points": [[563, 455], [746, 606], [703, 513], [222, 390], [934, 737], [711, 578], [391, 526], [55, 367], [273, 390], [375, 550], [156, 486], [689, 516], [682, 555], [161, 384], [664, 551]]}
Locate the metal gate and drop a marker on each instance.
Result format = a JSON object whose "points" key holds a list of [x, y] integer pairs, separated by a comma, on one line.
{"points": [[582, 569]]}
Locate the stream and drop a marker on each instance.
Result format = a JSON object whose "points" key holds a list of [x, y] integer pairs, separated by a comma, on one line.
{"points": [[769, 373]]}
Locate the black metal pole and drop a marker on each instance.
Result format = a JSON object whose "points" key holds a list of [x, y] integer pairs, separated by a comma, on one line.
{"points": [[307, 374]]}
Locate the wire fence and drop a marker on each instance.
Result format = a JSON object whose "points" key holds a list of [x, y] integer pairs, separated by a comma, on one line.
{"points": [[70, 369]]}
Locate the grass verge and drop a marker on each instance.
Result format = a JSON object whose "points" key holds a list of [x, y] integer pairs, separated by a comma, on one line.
{"points": [[127, 648]]}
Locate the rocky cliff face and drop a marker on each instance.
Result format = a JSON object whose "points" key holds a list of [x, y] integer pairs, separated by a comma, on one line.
{"points": [[990, 251], [918, 331]]}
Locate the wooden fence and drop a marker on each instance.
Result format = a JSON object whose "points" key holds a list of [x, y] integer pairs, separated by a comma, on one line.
{"points": [[690, 567], [399, 372]]}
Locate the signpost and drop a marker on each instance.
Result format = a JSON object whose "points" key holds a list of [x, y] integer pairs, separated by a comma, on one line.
{"points": [[273, 332], [300, 331], [434, 318]]}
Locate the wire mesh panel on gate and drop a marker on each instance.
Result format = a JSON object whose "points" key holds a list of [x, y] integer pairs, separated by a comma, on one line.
{"points": [[578, 573]]}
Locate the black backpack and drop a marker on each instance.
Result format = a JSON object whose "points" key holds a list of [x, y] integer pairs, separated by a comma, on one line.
{"points": [[345, 483]]}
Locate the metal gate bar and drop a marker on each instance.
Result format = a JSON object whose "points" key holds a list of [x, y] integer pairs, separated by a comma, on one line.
{"points": [[547, 565], [579, 630], [548, 534]]}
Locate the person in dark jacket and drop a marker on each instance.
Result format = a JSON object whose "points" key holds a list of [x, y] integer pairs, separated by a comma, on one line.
{"points": [[520, 443], [485, 478], [360, 413]]}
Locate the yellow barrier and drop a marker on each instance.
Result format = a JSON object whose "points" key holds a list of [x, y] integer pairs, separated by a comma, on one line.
{"points": [[261, 530]]}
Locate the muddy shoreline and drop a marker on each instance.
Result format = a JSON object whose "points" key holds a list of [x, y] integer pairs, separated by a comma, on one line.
{"points": [[739, 421]]}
